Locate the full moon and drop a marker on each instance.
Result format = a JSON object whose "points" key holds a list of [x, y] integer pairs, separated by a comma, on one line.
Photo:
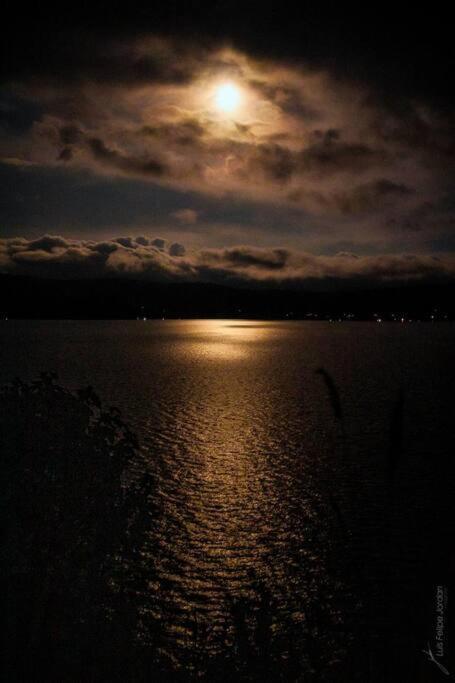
{"points": [[227, 97]]}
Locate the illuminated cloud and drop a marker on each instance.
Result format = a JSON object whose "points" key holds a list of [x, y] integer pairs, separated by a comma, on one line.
{"points": [[342, 164], [53, 256], [185, 216]]}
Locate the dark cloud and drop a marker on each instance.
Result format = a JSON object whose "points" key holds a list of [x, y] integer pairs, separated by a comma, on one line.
{"points": [[373, 196], [330, 154], [184, 132], [159, 243], [143, 241], [66, 154], [276, 162], [326, 156], [47, 243], [105, 248], [268, 259], [90, 56], [70, 134], [177, 249], [128, 242], [127, 164], [289, 99]]}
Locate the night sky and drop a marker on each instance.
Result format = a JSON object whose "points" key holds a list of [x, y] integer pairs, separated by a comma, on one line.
{"points": [[336, 159]]}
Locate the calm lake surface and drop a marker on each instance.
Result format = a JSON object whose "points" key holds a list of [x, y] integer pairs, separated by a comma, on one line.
{"points": [[256, 485]]}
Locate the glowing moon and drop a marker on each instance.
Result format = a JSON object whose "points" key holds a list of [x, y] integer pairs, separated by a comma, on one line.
{"points": [[227, 97]]}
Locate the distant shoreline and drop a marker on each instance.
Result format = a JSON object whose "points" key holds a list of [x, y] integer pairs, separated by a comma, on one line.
{"points": [[124, 299], [250, 319]]}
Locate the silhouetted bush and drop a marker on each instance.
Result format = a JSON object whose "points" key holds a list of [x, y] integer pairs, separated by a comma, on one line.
{"points": [[75, 510]]}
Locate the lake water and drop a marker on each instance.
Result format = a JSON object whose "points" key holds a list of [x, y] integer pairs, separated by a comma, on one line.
{"points": [[256, 485]]}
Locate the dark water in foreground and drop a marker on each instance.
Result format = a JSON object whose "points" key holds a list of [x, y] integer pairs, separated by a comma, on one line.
{"points": [[255, 482]]}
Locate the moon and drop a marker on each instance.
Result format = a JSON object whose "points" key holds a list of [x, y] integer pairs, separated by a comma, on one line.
{"points": [[227, 97]]}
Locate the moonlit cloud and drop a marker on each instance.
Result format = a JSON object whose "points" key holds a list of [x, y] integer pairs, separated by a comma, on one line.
{"points": [[154, 259], [185, 216], [338, 163]]}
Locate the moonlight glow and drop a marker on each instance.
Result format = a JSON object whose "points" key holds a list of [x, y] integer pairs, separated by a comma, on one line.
{"points": [[227, 97]]}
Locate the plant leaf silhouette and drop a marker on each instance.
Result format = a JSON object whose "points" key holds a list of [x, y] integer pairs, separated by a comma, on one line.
{"points": [[334, 396]]}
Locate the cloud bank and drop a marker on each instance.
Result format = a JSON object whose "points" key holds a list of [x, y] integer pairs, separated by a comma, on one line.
{"points": [[155, 259]]}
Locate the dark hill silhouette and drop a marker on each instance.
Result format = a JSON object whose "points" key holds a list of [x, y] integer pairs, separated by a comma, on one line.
{"points": [[34, 298]]}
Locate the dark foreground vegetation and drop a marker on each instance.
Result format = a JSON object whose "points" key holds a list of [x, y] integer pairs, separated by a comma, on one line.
{"points": [[77, 563], [74, 514]]}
